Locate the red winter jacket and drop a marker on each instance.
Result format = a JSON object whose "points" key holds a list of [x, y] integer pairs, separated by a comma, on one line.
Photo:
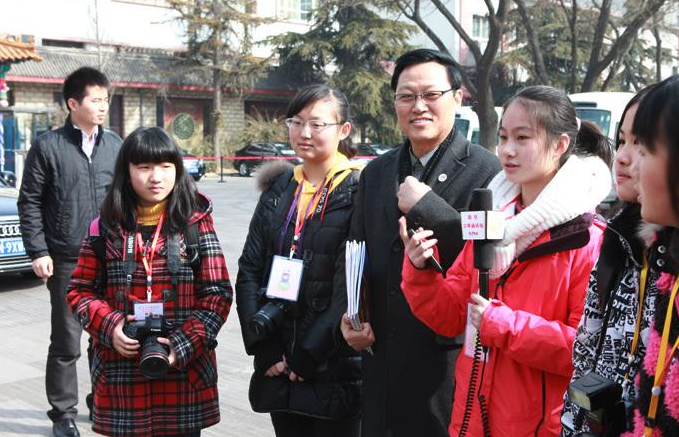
{"points": [[125, 402], [529, 328]]}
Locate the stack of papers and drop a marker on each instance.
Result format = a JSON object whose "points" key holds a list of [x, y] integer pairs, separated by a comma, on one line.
{"points": [[355, 259]]}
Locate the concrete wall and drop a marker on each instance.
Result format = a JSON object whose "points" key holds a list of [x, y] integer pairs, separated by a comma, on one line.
{"points": [[139, 108]]}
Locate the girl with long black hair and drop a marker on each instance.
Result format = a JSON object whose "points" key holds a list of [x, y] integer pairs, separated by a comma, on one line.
{"points": [[152, 289]]}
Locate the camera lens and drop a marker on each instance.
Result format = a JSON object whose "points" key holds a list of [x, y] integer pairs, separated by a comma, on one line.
{"points": [[154, 362], [265, 321]]}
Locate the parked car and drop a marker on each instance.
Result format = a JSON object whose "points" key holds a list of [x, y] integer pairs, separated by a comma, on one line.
{"points": [[13, 258], [365, 149], [381, 149], [365, 152], [193, 165], [257, 153], [601, 108]]}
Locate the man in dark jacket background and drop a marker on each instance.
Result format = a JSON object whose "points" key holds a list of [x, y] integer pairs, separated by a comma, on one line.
{"points": [[65, 178], [408, 382]]}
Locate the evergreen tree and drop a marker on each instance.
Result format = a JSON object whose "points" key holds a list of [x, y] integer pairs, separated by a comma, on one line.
{"points": [[219, 40], [349, 46]]}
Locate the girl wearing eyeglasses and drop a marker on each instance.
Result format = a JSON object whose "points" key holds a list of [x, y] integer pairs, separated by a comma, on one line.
{"points": [[288, 303], [511, 381]]}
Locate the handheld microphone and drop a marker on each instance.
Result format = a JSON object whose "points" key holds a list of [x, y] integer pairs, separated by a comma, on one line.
{"points": [[482, 225]]}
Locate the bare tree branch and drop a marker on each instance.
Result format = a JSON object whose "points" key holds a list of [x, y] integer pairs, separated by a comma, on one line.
{"points": [[621, 44], [473, 46], [533, 44], [415, 16]]}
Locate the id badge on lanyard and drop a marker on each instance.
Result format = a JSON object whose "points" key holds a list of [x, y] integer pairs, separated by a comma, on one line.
{"points": [[285, 278], [142, 310]]}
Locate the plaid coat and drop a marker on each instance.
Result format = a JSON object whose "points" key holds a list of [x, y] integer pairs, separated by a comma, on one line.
{"points": [[127, 404]]}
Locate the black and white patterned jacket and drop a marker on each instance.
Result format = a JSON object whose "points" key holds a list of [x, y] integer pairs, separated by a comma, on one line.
{"points": [[615, 282]]}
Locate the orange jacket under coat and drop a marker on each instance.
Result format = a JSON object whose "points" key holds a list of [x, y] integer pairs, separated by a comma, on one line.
{"points": [[529, 329]]}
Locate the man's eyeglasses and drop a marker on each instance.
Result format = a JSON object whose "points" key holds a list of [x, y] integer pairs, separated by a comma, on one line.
{"points": [[427, 97], [314, 125]]}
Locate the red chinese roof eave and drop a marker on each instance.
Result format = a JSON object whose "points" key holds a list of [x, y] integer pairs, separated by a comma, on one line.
{"points": [[12, 52], [141, 85]]}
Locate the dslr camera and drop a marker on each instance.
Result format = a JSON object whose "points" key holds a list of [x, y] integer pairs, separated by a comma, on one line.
{"points": [[154, 362], [265, 321], [601, 400]]}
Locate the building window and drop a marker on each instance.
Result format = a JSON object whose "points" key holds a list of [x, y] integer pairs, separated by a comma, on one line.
{"points": [[63, 43], [480, 27], [116, 119], [296, 9]]}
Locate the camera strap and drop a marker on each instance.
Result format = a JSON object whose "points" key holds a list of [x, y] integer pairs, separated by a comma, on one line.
{"points": [[129, 267], [663, 364], [643, 279]]}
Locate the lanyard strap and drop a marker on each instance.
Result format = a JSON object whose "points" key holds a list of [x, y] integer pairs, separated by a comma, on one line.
{"points": [[300, 223], [147, 258], [663, 363]]}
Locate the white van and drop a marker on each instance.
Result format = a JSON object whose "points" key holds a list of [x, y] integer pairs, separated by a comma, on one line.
{"points": [[467, 122], [601, 108]]}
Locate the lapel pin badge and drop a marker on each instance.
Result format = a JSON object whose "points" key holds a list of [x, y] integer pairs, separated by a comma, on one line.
{"points": [[443, 177]]}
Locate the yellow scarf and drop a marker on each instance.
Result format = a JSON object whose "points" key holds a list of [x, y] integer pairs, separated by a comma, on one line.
{"points": [[342, 168], [149, 216]]}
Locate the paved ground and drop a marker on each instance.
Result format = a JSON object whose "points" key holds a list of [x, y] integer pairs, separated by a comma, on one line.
{"points": [[24, 334]]}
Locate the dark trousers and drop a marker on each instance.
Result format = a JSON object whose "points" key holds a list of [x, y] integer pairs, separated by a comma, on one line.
{"points": [[296, 425], [61, 380]]}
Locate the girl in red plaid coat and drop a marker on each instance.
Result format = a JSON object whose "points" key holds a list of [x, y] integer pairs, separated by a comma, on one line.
{"points": [[147, 270]]}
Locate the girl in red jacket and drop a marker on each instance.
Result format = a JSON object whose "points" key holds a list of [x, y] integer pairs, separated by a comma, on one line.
{"points": [[553, 177], [151, 288], [655, 124]]}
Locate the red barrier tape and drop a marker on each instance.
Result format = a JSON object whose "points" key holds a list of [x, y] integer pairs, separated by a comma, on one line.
{"points": [[259, 158]]}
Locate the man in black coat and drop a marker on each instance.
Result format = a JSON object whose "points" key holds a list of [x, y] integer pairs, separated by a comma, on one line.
{"points": [[66, 176], [408, 382]]}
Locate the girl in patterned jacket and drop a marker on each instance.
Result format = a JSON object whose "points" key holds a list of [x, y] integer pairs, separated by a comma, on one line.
{"points": [[657, 412], [613, 334], [148, 273]]}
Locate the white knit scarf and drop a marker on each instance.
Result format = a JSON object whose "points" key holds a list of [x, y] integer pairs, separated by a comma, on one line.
{"points": [[578, 187]]}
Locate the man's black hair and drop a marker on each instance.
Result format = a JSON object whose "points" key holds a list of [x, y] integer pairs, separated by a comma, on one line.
{"points": [[420, 56], [75, 85]]}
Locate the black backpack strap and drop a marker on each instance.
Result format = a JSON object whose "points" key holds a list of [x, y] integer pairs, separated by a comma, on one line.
{"points": [[98, 245], [173, 265], [192, 241]]}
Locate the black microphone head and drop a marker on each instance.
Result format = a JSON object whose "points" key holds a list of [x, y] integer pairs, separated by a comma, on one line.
{"points": [[482, 200], [484, 255]]}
